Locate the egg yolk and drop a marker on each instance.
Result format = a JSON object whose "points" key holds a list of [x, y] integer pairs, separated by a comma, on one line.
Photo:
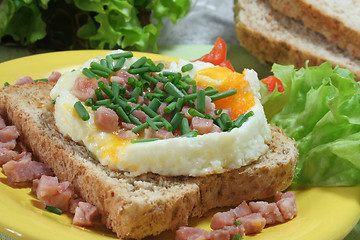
{"points": [[224, 79]]}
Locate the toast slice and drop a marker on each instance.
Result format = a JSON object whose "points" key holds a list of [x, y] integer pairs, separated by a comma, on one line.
{"points": [[136, 207], [338, 21], [274, 37]]}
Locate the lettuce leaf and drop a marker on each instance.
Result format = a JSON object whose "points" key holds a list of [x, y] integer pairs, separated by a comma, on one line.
{"points": [[322, 113], [22, 20]]}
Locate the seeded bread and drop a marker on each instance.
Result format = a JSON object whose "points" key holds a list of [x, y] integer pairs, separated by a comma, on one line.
{"points": [[274, 37], [136, 207], [338, 21]]}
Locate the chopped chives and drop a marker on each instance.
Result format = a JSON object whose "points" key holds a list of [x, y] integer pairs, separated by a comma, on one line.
{"points": [[218, 111], [139, 70], [95, 107], [122, 55], [122, 103], [154, 104], [188, 80], [80, 109], [169, 108], [187, 67], [145, 140], [6, 84], [148, 111], [150, 79], [106, 89], [115, 87], [160, 66], [221, 95], [176, 120], [122, 114], [89, 102], [159, 124], [135, 107], [173, 90], [226, 120], [141, 61], [113, 106], [136, 93], [190, 134], [167, 125], [103, 102], [151, 96], [220, 123], [194, 88], [237, 223], [243, 118], [119, 64], [236, 237], [100, 73], [184, 126], [54, 210], [140, 127], [134, 119], [156, 90], [132, 81], [195, 113], [152, 124], [179, 104], [169, 99], [41, 80], [100, 67], [109, 62], [98, 94], [200, 104], [89, 74], [103, 62]]}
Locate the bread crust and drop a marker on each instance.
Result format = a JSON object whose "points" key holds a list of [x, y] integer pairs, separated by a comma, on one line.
{"points": [[315, 18], [289, 46], [136, 207]]}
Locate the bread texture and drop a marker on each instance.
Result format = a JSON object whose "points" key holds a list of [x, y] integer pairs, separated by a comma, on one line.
{"points": [[338, 21], [274, 37], [136, 207]]}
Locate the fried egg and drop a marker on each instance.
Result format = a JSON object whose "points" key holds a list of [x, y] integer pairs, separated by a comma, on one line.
{"points": [[202, 155]]}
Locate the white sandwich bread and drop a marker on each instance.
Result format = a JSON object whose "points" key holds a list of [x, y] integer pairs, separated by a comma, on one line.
{"points": [[273, 36]]}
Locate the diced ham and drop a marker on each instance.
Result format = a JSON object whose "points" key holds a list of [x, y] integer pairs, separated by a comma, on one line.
{"points": [[189, 233], [160, 86], [242, 210], [269, 211], [220, 234], [54, 194], [123, 77], [74, 203], [84, 88], [253, 223], [8, 145], [128, 126], [2, 123], [54, 76], [222, 219], [25, 170], [202, 125], [8, 133], [286, 203], [7, 155], [84, 214], [24, 80], [161, 108], [125, 134], [140, 115], [233, 230], [106, 119], [161, 133]]}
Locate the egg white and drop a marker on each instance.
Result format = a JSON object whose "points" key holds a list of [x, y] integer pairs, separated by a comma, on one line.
{"points": [[198, 156]]}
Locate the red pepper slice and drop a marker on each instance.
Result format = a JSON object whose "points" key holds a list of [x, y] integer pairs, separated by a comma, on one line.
{"points": [[271, 82], [217, 56]]}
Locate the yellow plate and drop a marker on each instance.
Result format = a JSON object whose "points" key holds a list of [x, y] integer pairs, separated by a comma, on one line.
{"points": [[324, 213]]}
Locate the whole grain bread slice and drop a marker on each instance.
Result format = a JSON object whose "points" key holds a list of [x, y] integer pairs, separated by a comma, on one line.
{"points": [[136, 207], [338, 21], [274, 37]]}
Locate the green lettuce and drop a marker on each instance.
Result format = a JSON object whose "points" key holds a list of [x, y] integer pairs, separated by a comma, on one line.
{"points": [[100, 24], [320, 109]]}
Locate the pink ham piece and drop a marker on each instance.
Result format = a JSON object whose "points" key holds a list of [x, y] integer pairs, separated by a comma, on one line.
{"points": [[25, 170], [122, 77], [8, 133], [52, 193], [269, 211], [24, 80], [242, 210], [161, 133], [54, 76], [106, 119], [253, 223], [2, 123], [8, 145], [125, 134], [84, 214], [222, 219], [7, 155], [189, 233], [202, 125], [233, 230], [140, 115], [74, 203], [286, 202], [84, 88]]}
